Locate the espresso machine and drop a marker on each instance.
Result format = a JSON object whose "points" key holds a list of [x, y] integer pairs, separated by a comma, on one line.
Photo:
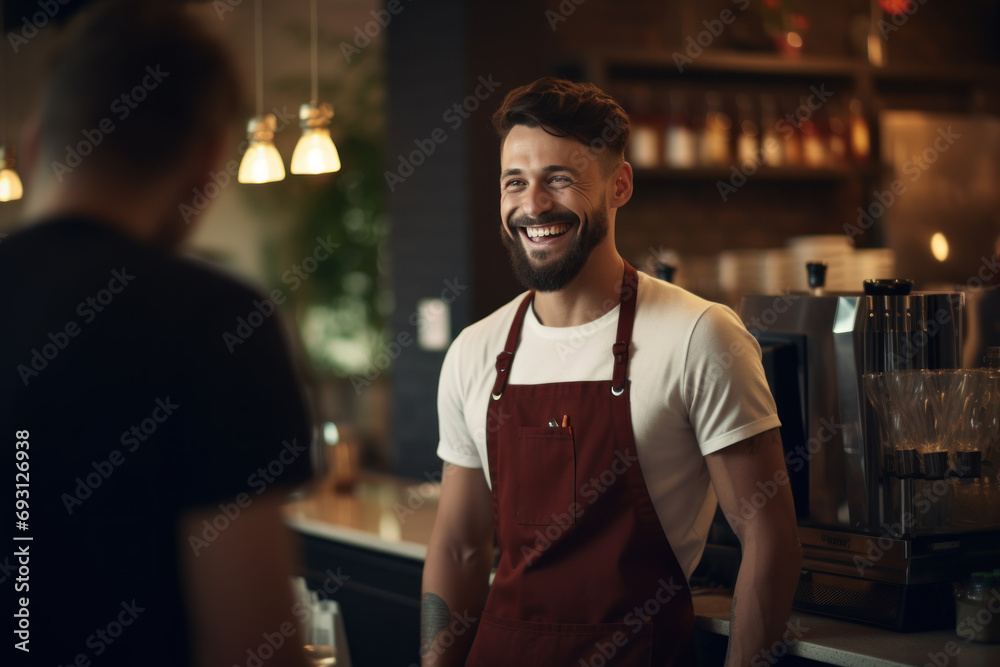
{"points": [[886, 528]]}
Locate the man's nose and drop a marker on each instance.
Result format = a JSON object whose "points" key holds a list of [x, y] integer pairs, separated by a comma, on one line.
{"points": [[537, 200]]}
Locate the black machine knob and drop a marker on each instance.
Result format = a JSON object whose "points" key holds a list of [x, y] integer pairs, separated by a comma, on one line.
{"points": [[817, 274], [935, 465], [907, 462], [665, 272]]}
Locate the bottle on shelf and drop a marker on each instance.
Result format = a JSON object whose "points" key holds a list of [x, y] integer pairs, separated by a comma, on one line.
{"points": [[837, 137], [860, 138], [771, 144], [814, 145], [643, 145], [679, 140], [714, 145], [791, 139], [748, 134]]}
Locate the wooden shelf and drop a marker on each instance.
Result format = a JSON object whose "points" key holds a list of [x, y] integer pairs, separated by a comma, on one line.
{"points": [[763, 172], [736, 62], [770, 64]]}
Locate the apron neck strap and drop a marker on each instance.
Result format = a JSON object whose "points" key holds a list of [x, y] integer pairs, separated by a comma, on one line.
{"points": [[623, 339], [505, 357]]}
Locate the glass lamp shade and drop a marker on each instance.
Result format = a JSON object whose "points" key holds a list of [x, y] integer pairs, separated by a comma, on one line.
{"points": [[315, 153], [10, 185], [261, 163]]}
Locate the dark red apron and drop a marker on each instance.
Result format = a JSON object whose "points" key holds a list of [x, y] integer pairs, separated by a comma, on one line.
{"points": [[586, 574]]}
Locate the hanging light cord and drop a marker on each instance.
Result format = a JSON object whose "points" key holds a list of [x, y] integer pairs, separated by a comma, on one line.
{"points": [[314, 54], [3, 82], [259, 44]]}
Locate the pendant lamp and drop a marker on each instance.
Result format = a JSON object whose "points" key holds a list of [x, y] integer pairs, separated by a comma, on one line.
{"points": [[261, 162], [315, 152]]}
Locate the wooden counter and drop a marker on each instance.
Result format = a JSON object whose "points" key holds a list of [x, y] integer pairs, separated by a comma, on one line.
{"points": [[390, 520], [383, 513]]}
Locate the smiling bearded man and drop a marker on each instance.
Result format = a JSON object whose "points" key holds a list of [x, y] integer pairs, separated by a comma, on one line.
{"points": [[586, 430]]}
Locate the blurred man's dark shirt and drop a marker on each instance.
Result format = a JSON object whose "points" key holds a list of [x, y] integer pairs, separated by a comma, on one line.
{"points": [[138, 407]]}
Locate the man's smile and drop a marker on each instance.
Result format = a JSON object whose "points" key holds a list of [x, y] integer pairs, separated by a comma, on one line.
{"points": [[545, 234]]}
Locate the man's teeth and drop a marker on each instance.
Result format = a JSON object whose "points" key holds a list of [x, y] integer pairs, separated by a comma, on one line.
{"points": [[552, 230]]}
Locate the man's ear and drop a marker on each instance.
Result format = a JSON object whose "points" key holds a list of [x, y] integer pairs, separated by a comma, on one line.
{"points": [[621, 186]]}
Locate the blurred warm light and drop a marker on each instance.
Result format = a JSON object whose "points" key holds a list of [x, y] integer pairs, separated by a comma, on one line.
{"points": [[315, 153], [895, 6], [939, 247], [10, 185], [794, 40], [262, 162], [10, 182]]}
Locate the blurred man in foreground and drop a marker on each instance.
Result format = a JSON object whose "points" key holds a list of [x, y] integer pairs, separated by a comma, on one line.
{"points": [[150, 455]]}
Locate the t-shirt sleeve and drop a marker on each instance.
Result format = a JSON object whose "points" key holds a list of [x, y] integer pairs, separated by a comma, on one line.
{"points": [[249, 430], [725, 389], [456, 444]]}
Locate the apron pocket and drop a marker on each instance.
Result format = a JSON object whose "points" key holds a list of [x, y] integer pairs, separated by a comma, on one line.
{"points": [[546, 476], [504, 641]]}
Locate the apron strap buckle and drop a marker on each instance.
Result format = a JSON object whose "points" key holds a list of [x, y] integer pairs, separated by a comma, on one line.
{"points": [[503, 363], [620, 350]]}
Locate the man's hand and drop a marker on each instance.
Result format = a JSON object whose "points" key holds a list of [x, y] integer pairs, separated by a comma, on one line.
{"points": [[457, 570], [772, 557]]}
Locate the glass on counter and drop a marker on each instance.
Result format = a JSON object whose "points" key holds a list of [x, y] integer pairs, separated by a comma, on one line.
{"points": [[976, 598]]}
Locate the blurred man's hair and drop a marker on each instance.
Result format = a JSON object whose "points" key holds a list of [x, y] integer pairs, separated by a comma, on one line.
{"points": [[191, 86], [566, 109]]}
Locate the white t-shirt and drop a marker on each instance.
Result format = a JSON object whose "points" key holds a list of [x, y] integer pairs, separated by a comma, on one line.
{"points": [[697, 386]]}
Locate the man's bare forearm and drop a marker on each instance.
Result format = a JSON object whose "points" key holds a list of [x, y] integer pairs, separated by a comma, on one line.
{"points": [[762, 602], [772, 557], [457, 568], [454, 592]]}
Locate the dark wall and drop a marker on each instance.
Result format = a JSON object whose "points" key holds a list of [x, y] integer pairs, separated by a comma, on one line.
{"points": [[429, 210], [445, 217]]}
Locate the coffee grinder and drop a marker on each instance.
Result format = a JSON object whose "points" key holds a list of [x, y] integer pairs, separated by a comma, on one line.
{"points": [[885, 530]]}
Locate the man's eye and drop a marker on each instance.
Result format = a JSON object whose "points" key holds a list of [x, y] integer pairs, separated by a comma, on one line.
{"points": [[514, 184], [561, 180]]}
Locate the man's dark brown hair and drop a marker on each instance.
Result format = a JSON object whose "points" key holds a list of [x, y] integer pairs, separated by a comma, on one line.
{"points": [[150, 73], [566, 109]]}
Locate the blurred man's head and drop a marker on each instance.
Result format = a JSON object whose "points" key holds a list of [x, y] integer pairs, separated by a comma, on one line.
{"points": [[139, 95]]}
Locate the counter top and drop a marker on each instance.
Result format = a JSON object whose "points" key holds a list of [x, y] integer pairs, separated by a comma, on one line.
{"points": [[853, 645], [382, 513], [395, 516]]}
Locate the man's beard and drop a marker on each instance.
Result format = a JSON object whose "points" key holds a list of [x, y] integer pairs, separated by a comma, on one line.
{"points": [[551, 277]]}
